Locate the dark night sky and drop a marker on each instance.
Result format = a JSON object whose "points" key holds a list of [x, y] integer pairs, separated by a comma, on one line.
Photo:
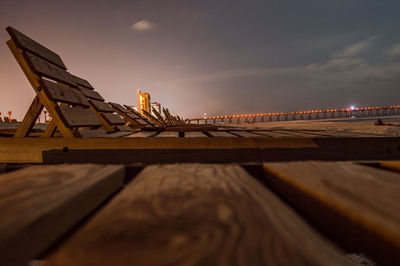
{"points": [[218, 57]]}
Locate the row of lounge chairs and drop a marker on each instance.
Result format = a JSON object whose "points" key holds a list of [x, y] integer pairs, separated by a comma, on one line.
{"points": [[76, 108]]}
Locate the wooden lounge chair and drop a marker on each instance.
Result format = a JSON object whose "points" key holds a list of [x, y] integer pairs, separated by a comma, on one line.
{"points": [[71, 101], [134, 119], [150, 122]]}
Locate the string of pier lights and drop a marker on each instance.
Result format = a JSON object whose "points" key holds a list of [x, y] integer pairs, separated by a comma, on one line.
{"points": [[351, 108]]}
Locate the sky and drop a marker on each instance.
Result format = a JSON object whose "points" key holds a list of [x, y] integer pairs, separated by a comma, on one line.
{"points": [[215, 57]]}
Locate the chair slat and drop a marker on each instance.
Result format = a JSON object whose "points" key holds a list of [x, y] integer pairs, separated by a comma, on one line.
{"points": [[91, 93], [120, 108], [64, 94], [113, 119], [81, 82], [78, 117], [196, 214], [124, 128], [25, 43], [101, 106], [39, 204], [44, 68], [358, 204]]}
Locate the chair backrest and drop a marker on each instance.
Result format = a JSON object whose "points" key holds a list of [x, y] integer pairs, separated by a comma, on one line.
{"points": [[71, 101], [141, 117], [133, 120]]}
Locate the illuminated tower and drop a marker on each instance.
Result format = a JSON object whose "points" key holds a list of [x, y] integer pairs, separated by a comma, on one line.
{"points": [[143, 101]]}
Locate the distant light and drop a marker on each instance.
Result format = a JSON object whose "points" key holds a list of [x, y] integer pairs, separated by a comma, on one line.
{"points": [[352, 107]]}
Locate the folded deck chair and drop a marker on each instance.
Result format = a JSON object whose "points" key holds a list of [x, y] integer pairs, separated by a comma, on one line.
{"points": [[134, 119], [64, 95], [150, 123]]}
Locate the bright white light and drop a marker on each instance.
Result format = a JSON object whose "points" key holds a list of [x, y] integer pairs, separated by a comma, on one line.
{"points": [[352, 107]]}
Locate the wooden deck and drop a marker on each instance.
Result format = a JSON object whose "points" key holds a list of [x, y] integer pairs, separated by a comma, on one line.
{"points": [[236, 196], [293, 213]]}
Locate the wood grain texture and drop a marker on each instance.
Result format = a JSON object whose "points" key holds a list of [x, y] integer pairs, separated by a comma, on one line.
{"points": [[159, 117], [113, 119], [223, 134], [25, 43], [195, 135], [195, 215], [143, 134], [140, 116], [166, 134], [64, 94], [42, 97], [39, 204], [91, 93], [94, 133], [120, 108], [30, 118], [359, 205], [81, 82], [134, 117], [244, 134], [124, 129], [101, 106], [153, 119], [78, 117], [46, 69]]}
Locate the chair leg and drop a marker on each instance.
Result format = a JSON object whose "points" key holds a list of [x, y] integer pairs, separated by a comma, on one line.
{"points": [[30, 118], [50, 130]]}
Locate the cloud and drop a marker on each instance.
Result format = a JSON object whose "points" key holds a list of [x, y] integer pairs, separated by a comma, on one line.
{"points": [[357, 48], [338, 65], [142, 25], [394, 51]]}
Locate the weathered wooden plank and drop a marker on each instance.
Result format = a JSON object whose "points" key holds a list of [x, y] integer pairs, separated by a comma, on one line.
{"points": [[159, 117], [39, 204], [113, 119], [186, 128], [358, 204], [221, 134], [42, 98], [143, 134], [195, 134], [94, 133], [124, 128], [140, 116], [153, 119], [120, 108], [30, 150], [167, 134], [25, 43], [196, 215], [78, 117], [61, 93], [245, 134], [280, 134], [46, 69], [81, 82], [30, 118], [134, 117], [91, 93], [101, 106], [138, 120]]}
